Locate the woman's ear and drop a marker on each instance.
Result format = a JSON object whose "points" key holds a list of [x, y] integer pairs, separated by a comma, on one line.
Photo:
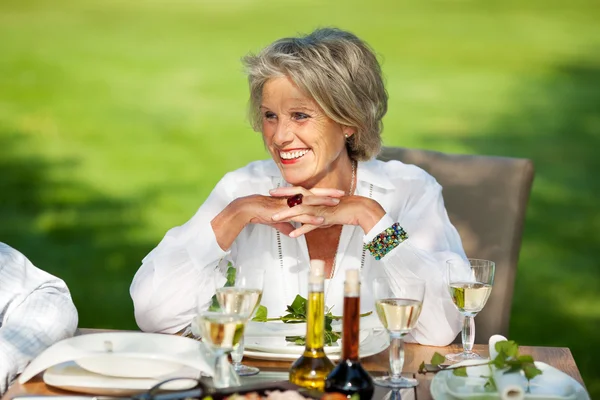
{"points": [[348, 131]]}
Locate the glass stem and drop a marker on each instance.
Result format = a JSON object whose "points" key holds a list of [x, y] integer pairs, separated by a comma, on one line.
{"points": [[221, 377], [468, 334], [237, 354], [396, 357]]}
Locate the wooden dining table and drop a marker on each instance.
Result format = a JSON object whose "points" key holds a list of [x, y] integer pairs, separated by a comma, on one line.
{"points": [[558, 357]]}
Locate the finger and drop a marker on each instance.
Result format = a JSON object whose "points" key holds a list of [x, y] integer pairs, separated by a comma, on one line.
{"points": [[298, 215], [289, 213], [284, 227], [320, 201], [289, 191], [304, 229], [293, 190], [308, 219], [327, 192]]}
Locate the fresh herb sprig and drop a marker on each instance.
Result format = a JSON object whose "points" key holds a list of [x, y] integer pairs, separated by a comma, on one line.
{"points": [[508, 359], [296, 313]]}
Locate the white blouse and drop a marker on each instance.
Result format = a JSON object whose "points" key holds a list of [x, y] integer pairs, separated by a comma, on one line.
{"points": [[36, 311], [181, 271]]}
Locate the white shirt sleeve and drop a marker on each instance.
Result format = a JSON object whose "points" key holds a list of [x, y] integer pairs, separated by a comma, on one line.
{"points": [[431, 241], [36, 312], [180, 272]]}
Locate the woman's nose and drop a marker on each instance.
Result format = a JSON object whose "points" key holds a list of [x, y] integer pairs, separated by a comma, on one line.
{"points": [[283, 135]]}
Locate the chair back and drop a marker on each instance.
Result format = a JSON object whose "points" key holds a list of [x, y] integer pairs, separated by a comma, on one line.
{"points": [[486, 198]]}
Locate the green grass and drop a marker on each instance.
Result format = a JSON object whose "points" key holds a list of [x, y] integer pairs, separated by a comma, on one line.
{"points": [[117, 118]]}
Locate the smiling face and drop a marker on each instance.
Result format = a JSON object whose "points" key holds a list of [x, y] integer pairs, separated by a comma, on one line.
{"points": [[308, 147]]}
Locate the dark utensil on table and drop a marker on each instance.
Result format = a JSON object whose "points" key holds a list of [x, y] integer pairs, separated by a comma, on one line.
{"points": [[197, 390]]}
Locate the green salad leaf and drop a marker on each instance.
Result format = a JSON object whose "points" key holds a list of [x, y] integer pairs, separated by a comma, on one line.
{"points": [[508, 359], [296, 313], [437, 359], [261, 314]]}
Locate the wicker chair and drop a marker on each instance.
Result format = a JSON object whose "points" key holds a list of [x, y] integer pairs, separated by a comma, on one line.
{"points": [[486, 199]]}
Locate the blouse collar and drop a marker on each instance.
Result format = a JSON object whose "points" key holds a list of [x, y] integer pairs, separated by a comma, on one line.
{"points": [[373, 172]]}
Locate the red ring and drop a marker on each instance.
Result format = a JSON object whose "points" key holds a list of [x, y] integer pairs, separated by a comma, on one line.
{"points": [[294, 200]]}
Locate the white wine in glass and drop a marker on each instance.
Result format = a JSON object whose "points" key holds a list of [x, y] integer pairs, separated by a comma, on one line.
{"points": [[470, 284], [243, 298], [470, 297], [398, 305], [221, 332], [237, 300], [398, 315]]}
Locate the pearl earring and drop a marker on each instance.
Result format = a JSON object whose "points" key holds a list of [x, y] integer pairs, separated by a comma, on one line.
{"points": [[346, 136]]}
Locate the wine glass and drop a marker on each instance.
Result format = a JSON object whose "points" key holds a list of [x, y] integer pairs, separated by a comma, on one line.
{"points": [[398, 304], [470, 283], [242, 299], [221, 332]]}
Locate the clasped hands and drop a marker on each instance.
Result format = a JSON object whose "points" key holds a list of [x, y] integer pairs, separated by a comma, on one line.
{"points": [[319, 208]]}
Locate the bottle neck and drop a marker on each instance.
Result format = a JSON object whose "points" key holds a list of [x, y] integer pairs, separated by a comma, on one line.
{"points": [[315, 318], [351, 328]]}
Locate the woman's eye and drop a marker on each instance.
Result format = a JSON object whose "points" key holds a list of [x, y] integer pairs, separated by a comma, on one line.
{"points": [[300, 116], [270, 115]]}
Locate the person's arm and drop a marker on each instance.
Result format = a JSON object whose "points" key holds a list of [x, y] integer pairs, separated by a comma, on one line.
{"points": [[181, 269], [431, 241], [34, 320]]}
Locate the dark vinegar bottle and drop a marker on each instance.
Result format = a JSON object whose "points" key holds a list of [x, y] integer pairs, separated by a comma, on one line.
{"points": [[349, 377]]}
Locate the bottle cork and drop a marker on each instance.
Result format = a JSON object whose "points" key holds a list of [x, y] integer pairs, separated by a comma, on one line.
{"points": [[317, 271], [352, 283]]}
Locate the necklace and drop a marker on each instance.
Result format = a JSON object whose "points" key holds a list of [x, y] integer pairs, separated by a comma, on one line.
{"points": [[332, 274], [350, 193]]}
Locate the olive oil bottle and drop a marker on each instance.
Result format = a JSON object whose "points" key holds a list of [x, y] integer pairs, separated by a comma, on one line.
{"points": [[313, 366], [349, 377]]}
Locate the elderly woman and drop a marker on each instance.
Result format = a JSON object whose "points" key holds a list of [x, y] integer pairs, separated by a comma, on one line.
{"points": [[318, 101]]}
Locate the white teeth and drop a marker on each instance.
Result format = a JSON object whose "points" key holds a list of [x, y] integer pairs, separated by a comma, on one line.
{"points": [[292, 154]]}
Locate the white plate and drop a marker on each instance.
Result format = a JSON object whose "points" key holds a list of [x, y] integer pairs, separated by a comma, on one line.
{"points": [[552, 384], [278, 344], [278, 328], [373, 344], [70, 376], [274, 328], [125, 354]]}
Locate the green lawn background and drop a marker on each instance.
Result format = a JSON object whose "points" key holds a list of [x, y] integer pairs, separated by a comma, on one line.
{"points": [[118, 117]]}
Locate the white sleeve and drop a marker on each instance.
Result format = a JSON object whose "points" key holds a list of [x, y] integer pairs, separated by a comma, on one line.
{"points": [[180, 272], [431, 241], [35, 318]]}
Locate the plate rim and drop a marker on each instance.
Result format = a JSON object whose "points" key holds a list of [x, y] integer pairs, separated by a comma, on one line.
{"points": [[436, 386], [379, 337], [69, 350], [100, 384], [293, 349], [297, 349]]}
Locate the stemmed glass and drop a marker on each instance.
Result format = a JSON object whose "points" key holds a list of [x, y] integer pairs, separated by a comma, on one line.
{"points": [[398, 305], [242, 299], [221, 332], [470, 283]]}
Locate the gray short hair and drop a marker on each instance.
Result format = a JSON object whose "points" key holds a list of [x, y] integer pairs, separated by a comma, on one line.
{"points": [[338, 70]]}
